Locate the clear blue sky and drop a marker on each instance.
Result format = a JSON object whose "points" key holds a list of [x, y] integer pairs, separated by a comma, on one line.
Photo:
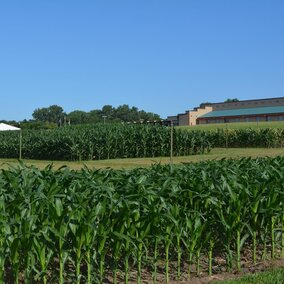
{"points": [[163, 56]]}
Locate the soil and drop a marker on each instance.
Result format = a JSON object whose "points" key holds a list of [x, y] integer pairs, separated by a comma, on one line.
{"points": [[218, 269], [219, 273]]}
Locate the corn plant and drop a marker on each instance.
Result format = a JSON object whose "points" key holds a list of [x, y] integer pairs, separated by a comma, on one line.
{"points": [[86, 226]]}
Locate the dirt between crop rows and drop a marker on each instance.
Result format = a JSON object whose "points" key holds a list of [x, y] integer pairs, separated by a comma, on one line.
{"points": [[218, 268], [219, 273]]}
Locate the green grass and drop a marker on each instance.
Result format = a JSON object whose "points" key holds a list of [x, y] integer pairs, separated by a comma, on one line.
{"points": [[217, 153], [275, 276], [240, 125]]}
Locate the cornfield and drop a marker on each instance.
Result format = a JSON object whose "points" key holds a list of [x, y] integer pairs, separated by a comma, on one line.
{"points": [[102, 142], [129, 141], [247, 137], [65, 226]]}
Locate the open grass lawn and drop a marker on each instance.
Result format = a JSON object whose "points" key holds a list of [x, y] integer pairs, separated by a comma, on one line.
{"points": [[217, 153], [239, 125]]}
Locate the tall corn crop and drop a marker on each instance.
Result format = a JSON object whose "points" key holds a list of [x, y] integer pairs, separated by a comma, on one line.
{"points": [[129, 141], [102, 142], [94, 226], [247, 137]]}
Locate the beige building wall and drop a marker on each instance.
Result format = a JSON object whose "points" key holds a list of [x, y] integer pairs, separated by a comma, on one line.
{"points": [[189, 117], [194, 114]]}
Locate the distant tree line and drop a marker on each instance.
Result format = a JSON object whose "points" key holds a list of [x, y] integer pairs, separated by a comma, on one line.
{"points": [[229, 100], [123, 113], [54, 116], [108, 113]]}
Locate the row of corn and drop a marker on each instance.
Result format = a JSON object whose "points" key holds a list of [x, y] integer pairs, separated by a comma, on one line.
{"points": [[87, 226], [129, 141], [102, 142]]}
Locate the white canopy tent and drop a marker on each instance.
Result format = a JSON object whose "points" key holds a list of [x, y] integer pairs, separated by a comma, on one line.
{"points": [[7, 127]]}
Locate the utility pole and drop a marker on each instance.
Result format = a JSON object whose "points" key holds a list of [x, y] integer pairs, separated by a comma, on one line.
{"points": [[20, 154], [172, 141]]}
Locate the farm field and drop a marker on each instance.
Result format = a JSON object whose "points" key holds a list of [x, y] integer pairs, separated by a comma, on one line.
{"points": [[91, 220], [216, 153], [97, 142], [237, 125], [161, 224], [100, 142]]}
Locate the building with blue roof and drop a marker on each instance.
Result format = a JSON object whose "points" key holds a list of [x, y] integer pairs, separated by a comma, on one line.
{"points": [[270, 109]]}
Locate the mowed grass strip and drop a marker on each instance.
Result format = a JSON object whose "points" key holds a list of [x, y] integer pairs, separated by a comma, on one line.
{"points": [[217, 153], [275, 276], [237, 125]]}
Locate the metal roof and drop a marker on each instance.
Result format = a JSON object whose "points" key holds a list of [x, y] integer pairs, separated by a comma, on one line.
{"points": [[244, 111]]}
